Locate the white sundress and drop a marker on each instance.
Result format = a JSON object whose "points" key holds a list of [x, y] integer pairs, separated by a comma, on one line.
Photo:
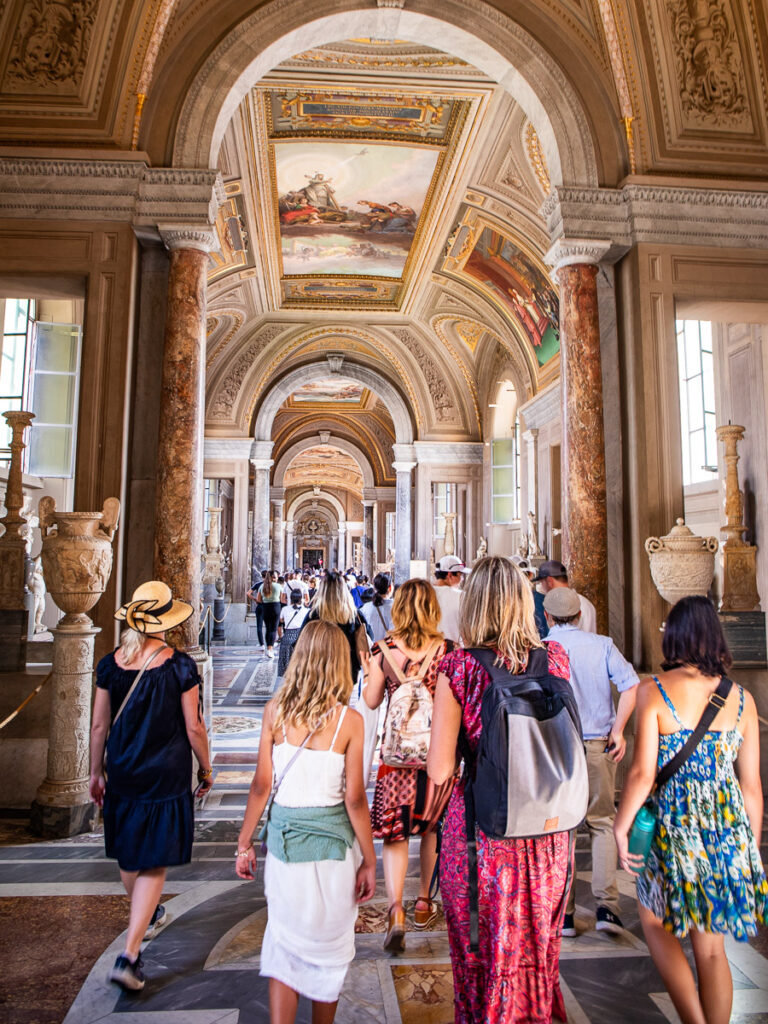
{"points": [[309, 940]]}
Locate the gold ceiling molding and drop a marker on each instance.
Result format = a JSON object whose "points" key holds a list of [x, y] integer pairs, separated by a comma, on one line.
{"points": [[618, 68], [536, 157], [469, 379], [338, 336], [162, 17], [473, 224], [236, 322]]}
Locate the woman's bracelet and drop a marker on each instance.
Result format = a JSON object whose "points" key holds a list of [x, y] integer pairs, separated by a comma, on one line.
{"points": [[204, 773], [245, 852]]}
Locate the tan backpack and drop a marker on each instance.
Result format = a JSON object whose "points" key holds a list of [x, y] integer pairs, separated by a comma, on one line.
{"points": [[409, 716]]}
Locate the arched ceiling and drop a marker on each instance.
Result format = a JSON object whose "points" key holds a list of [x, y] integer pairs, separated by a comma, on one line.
{"points": [[328, 465], [391, 176], [381, 196]]}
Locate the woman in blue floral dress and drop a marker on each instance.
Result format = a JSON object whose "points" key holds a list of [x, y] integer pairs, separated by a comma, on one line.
{"points": [[704, 877]]}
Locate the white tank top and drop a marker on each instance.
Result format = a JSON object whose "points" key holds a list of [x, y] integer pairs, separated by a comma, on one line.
{"points": [[316, 777]]}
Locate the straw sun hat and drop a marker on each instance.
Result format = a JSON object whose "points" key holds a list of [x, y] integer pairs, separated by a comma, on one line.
{"points": [[152, 609]]}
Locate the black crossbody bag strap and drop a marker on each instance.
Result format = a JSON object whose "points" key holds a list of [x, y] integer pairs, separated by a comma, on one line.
{"points": [[714, 704]]}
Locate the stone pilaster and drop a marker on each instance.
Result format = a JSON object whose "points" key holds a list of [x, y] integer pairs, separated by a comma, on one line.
{"points": [[585, 522], [278, 535], [13, 549], [341, 552], [368, 567], [531, 438], [179, 491], [260, 548], [290, 546], [403, 528]]}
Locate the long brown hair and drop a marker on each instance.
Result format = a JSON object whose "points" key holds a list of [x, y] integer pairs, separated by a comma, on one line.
{"points": [[333, 601], [415, 614], [497, 611], [318, 677]]}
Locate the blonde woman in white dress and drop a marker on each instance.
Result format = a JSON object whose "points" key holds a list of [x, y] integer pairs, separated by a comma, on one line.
{"points": [[320, 861]]}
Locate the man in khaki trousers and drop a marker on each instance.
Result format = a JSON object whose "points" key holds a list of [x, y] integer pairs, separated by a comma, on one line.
{"points": [[595, 665]]}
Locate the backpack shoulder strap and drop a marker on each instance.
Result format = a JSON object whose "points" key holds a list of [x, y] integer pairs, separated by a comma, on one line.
{"points": [[426, 661], [386, 652]]}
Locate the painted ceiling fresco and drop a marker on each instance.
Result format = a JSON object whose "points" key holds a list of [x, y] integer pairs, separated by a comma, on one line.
{"points": [[332, 390], [523, 290], [353, 175], [325, 465], [350, 210]]}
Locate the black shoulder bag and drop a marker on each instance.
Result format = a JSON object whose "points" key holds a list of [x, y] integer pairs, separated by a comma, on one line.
{"points": [[714, 704]]}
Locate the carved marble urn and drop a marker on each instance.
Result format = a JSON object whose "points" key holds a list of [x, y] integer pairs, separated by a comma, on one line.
{"points": [[77, 557], [681, 563]]}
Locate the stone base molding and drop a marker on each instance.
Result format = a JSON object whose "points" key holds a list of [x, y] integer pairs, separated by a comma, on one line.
{"points": [[54, 822]]}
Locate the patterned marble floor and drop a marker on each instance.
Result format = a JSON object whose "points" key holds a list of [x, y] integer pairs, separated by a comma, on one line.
{"points": [[63, 914]]}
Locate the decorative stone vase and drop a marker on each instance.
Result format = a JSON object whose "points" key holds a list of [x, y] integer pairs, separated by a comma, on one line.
{"points": [[77, 557], [682, 564]]}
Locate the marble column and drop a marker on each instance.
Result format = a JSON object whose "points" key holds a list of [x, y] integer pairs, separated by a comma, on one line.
{"points": [[260, 550], [13, 551], [77, 559], [368, 567], [403, 527], [584, 511], [278, 535], [179, 487]]}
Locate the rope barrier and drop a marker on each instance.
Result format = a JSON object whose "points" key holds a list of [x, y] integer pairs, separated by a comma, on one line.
{"points": [[226, 613], [26, 701]]}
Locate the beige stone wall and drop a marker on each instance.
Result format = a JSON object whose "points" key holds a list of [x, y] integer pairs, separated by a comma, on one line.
{"points": [[101, 259], [652, 281]]}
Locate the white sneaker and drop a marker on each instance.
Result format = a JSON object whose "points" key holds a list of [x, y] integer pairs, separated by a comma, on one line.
{"points": [[270, 654]]}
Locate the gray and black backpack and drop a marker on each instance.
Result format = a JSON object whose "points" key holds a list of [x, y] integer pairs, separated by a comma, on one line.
{"points": [[529, 775]]}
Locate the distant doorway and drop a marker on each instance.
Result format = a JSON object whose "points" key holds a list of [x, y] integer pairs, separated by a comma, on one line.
{"points": [[312, 558]]}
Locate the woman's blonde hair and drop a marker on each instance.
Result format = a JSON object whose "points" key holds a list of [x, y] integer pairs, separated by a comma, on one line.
{"points": [[415, 614], [318, 677], [497, 611], [333, 601], [132, 643]]}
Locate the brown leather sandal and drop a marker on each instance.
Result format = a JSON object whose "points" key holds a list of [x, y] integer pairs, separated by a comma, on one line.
{"points": [[395, 940], [424, 912]]}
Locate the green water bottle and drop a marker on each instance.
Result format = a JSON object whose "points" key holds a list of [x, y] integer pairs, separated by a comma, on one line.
{"points": [[642, 832]]}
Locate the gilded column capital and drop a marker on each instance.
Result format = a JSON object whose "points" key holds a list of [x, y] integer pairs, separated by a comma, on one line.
{"points": [[187, 237], [568, 251]]}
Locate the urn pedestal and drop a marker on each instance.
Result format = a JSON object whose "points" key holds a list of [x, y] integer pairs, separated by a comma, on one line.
{"points": [[77, 559]]}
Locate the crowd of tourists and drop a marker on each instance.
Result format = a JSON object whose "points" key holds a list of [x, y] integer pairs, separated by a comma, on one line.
{"points": [[490, 698]]}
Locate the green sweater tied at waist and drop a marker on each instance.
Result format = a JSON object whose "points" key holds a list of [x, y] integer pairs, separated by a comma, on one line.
{"points": [[296, 835]]}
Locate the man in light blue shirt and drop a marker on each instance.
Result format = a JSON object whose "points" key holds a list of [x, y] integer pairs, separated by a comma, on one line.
{"points": [[595, 665]]}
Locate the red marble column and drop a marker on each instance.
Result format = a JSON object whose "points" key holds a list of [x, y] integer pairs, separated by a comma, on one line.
{"points": [[179, 488], [585, 523]]}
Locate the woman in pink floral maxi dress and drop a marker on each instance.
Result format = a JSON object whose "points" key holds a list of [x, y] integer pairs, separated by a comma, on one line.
{"points": [[513, 979]]}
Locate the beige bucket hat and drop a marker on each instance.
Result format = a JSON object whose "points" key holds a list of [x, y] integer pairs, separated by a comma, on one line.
{"points": [[152, 609]]}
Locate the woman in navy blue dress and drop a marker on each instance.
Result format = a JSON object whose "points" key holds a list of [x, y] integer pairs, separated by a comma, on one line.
{"points": [[150, 731]]}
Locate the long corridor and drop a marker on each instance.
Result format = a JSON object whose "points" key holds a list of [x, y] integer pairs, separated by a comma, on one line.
{"points": [[63, 916]]}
